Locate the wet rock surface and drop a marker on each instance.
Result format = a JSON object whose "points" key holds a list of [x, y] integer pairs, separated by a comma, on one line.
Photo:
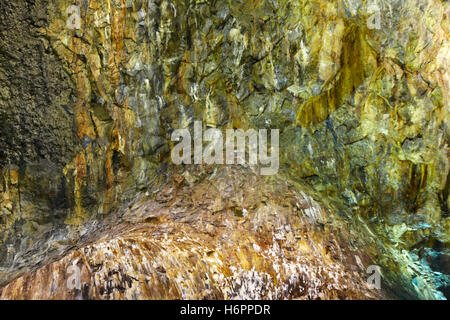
{"points": [[358, 90]]}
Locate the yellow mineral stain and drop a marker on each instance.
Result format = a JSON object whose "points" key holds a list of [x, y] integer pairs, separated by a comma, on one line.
{"points": [[356, 59], [78, 216]]}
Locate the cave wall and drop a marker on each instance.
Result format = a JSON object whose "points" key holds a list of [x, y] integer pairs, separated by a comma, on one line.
{"points": [[87, 113]]}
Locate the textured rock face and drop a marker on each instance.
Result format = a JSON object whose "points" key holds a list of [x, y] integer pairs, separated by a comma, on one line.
{"points": [[36, 121], [231, 236], [359, 91]]}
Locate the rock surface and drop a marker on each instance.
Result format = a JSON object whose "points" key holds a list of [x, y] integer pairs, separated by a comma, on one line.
{"points": [[232, 236], [358, 89]]}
